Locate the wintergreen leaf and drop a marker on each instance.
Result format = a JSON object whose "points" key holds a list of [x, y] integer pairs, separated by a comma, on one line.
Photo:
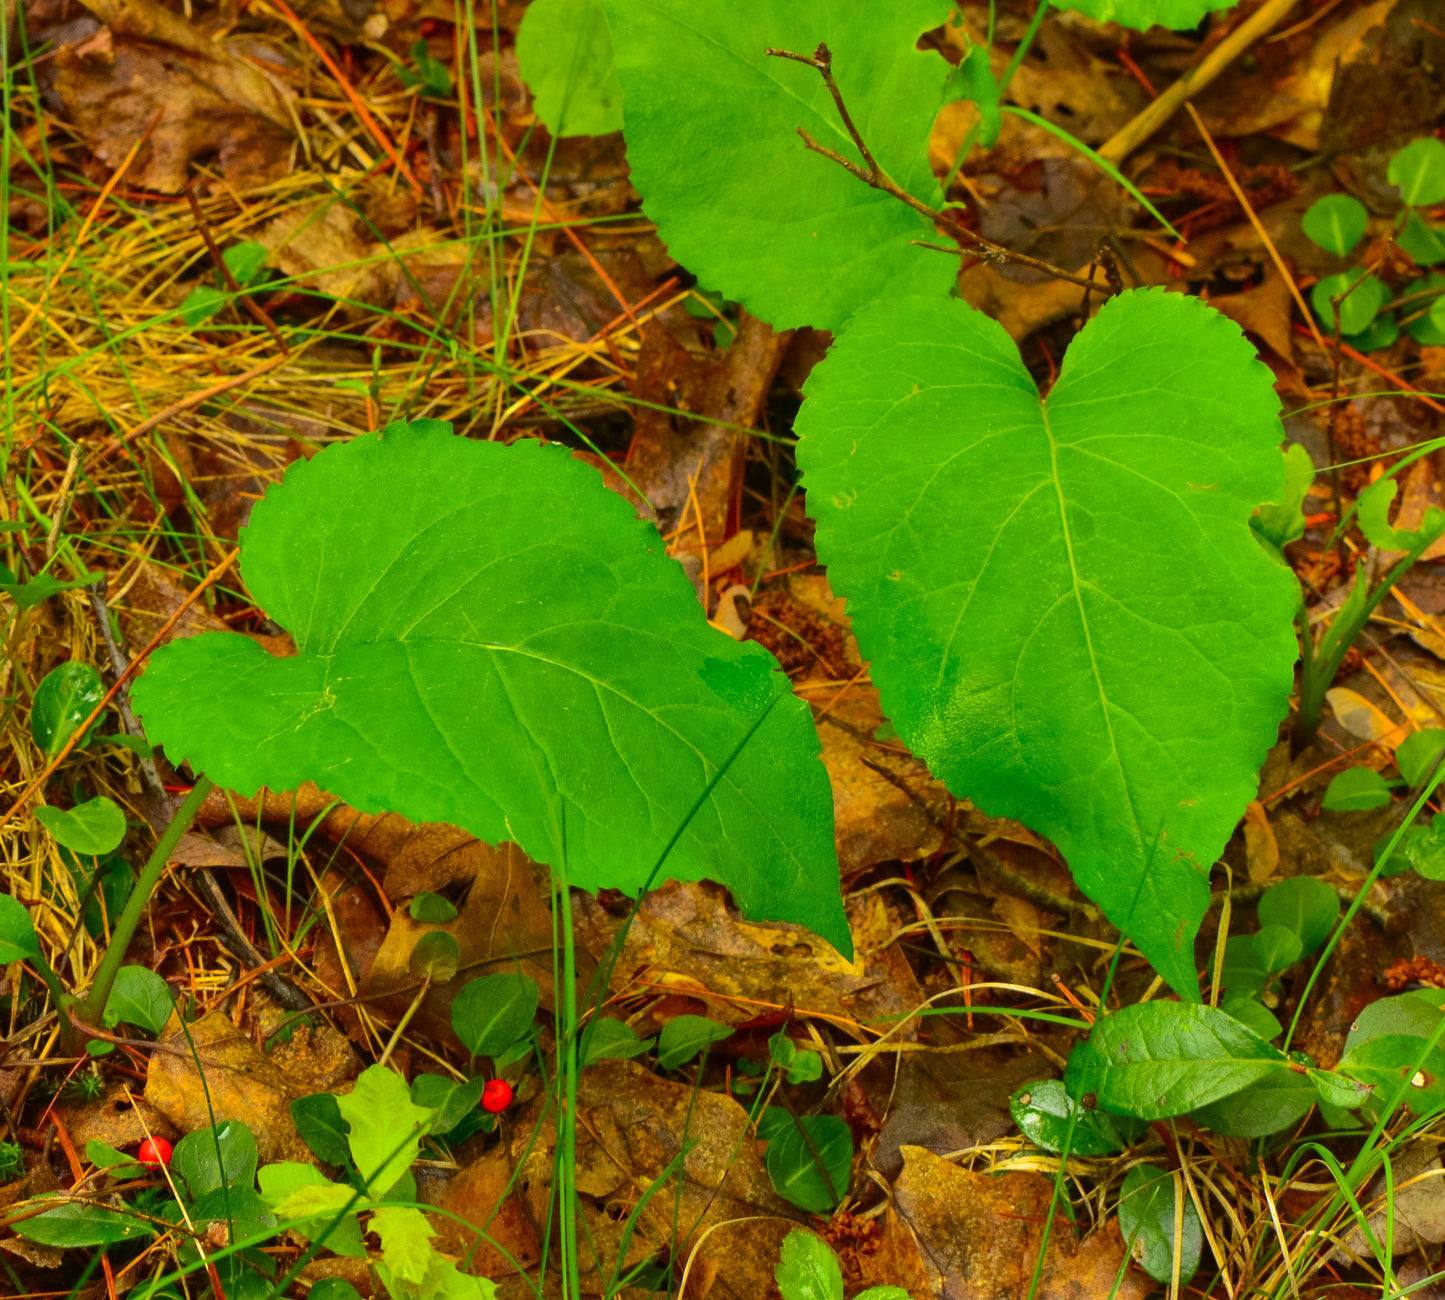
{"points": [[1020, 572], [1303, 904], [1374, 517], [795, 1172], [1380, 333], [94, 827], [1356, 789], [431, 909], [1421, 324], [1418, 753], [1336, 222], [684, 1037], [318, 1120], [1253, 1014], [1422, 241], [1284, 522], [712, 140], [1159, 1059], [808, 1269], [1178, 15], [452, 1101], [1419, 170], [435, 956], [211, 1158], [1277, 947], [239, 1207], [1334, 1090], [1243, 974], [17, 931], [1146, 1220], [1281, 1099], [63, 700], [141, 998], [1392, 1060], [559, 688], [492, 1012], [612, 1040], [386, 1127], [105, 886], [564, 52], [1360, 296], [333, 1288], [73, 1224], [1414, 1014], [1045, 1112]]}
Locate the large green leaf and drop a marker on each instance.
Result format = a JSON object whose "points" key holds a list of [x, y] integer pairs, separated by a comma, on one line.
{"points": [[1180, 15], [489, 637], [712, 139], [1158, 1059], [1066, 610]]}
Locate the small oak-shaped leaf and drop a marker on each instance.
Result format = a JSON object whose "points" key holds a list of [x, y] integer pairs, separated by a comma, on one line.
{"points": [[486, 636], [1067, 612], [712, 140]]}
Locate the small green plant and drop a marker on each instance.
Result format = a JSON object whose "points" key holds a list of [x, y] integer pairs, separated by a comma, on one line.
{"points": [[808, 1269], [1356, 300], [245, 265]]}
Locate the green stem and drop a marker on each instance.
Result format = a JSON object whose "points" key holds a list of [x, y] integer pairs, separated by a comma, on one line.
{"points": [[568, 1063], [92, 1008]]}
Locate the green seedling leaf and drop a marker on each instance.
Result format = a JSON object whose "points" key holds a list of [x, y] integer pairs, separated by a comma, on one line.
{"points": [[1335, 1090], [64, 699], [43, 586], [1414, 1014], [141, 998], [203, 302], [1374, 517], [333, 1288], [564, 53], [1436, 319], [1276, 1102], [1159, 1059], [1044, 1112], [137, 745], [432, 909], [386, 1128], [772, 1122], [1357, 789], [783, 230], [1391, 1060], [245, 261], [534, 679], [1361, 295], [1418, 753], [687, 1036], [1421, 324], [94, 827], [211, 1158], [1013, 568], [807, 1067], [452, 1101], [612, 1040], [493, 1012], [1303, 904], [1146, 1219], [302, 1197], [1285, 522], [1421, 241], [1381, 333], [796, 1175], [1178, 15], [73, 1225], [1419, 171], [808, 1269], [17, 931], [1254, 1015], [116, 1162], [974, 80], [431, 74], [1424, 850], [318, 1120], [1277, 947], [1336, 222], [436, 957]]}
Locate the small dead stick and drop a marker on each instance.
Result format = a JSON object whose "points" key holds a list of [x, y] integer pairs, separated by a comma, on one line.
{"points": [[39, 782], [821, 60], [255, 309]]}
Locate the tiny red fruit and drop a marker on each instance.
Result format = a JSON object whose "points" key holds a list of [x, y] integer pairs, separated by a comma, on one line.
{"points": [[154, 1152], [496, 1096]]}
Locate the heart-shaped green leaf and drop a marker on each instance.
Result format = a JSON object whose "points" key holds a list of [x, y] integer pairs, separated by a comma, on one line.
{"points": [[712, 140], [93, 827], [1066, 610], [488, 637], [1419, 170], [1336, 222]]}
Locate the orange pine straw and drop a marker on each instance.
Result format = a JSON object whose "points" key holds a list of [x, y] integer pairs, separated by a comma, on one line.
{"points": [[842, 691], [361, 109], [1136, 71], [1381, 371], [1258, 227], [39, 782]]}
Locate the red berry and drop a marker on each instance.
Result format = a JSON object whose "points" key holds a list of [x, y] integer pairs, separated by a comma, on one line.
{"points": [[154, 1152], [496, 1096]]}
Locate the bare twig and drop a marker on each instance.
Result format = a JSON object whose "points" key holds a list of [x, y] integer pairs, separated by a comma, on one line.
{"points": [[873, 175], [251, 305]]}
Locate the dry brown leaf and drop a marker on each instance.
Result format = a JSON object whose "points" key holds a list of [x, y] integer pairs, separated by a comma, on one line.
{"points": [[1261, 849], [1362, 719]]}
